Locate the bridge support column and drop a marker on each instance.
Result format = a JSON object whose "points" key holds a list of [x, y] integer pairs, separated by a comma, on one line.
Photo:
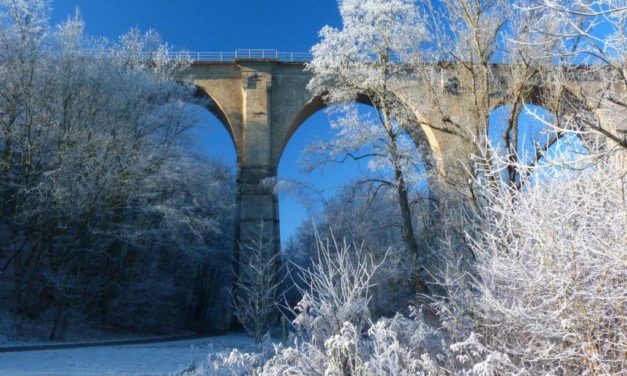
{"points": [[258, 209], [256, 261], [257, 237], [257, 200]]}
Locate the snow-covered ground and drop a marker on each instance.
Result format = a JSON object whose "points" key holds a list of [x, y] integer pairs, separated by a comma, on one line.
{"points": [[146, 359]]}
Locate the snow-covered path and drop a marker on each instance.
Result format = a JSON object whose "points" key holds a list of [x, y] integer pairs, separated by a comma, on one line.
{"points": [[146, 359]]}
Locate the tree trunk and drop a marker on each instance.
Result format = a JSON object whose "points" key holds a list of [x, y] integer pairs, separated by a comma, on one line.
{"points": [[408, 230], [409, 237]]}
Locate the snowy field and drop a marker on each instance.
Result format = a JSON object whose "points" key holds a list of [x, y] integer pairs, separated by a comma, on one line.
{"points": [[146, 359]]}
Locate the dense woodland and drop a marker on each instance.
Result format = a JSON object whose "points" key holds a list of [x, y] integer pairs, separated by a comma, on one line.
{"points": [[108, 218], [515, 262]]}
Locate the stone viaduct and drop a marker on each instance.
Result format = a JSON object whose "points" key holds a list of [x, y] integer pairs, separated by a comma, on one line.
{"points": [[262, 102]]}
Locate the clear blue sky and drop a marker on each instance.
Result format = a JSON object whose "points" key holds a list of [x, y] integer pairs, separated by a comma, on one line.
{"points": [[210, 25]]}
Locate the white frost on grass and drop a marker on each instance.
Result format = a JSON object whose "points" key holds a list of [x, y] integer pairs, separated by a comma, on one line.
{"points": [[146, 359]]}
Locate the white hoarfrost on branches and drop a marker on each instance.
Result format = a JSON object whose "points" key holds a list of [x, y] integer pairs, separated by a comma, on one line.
{"points": [[337, 291], [334, 334], [258, 283], [357, 59], [550, 290], [365, 60], [27, 18], [360, 136]]}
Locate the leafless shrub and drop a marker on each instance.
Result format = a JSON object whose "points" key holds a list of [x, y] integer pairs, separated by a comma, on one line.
{"points": [[258, 283]]}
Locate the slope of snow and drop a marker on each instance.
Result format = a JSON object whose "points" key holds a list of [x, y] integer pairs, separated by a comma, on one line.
{"points": [[147, 359]]}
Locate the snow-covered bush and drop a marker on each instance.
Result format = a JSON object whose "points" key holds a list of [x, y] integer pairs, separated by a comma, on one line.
{"points": [[369, 218], [337, 291], [548, 291], [396, 346], [334, 332]]}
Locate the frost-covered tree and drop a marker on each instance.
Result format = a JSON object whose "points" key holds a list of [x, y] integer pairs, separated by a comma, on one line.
{"points": [[363, 61], [104, 213], [546, 293], [487, 55], [590, 34]]}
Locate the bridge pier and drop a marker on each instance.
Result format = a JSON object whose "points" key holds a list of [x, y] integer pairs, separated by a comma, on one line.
{"points": [[258, 203], [256, 255], [258, 209], [257, 248]]}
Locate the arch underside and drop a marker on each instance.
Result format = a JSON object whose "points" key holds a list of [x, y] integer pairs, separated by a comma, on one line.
{"points": [[567, 104], [423, 137], [215, 109]]}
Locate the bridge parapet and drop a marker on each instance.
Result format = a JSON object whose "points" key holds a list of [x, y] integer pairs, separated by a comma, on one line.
{"points": [[244, 54], [224, 56]]}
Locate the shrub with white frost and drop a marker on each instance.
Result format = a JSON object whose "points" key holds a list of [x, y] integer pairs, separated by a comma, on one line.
{"points": [[335, 335], [338, 290], [551, 272], [546, 295]]}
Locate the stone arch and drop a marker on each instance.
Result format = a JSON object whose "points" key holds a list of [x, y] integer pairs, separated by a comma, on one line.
{"points": [[423, 136], [547, 97], [431, 151], [529, 129], [564, 101], [214, 108], [537, 143], [314, 105]]}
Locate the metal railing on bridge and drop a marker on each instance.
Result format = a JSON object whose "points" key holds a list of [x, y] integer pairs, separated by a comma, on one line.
{"points": [[243, 54], [500, 57]]}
